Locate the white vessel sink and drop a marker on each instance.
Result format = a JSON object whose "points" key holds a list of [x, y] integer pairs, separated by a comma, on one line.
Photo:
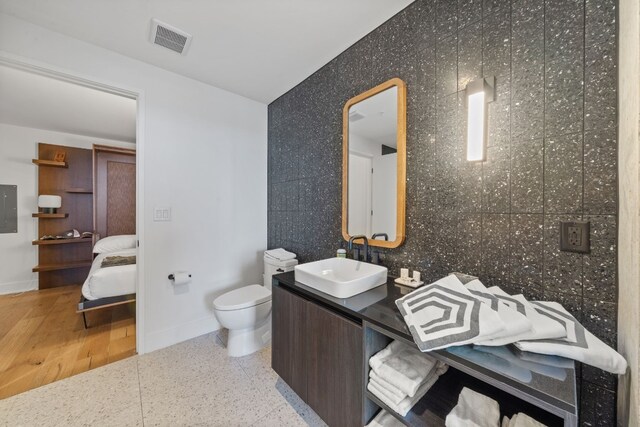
{"points": [[341, 277]]}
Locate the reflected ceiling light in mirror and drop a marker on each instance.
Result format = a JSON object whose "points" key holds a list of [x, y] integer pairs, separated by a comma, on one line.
{"points": [[478, 93]]}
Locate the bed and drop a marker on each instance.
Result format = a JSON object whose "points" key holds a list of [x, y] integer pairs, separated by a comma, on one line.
{"points": [[108, 286], [104, 282]]}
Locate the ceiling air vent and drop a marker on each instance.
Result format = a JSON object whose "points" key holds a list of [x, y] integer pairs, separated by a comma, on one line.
{"points": [[170, 37], [354, 116]]}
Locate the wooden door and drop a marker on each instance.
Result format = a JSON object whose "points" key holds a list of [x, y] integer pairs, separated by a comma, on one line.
{"points": [[115, 191], [288, 344], [334, 367]]}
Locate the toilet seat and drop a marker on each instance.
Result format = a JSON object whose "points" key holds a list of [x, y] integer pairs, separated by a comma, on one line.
{"points": [[245, 297]]}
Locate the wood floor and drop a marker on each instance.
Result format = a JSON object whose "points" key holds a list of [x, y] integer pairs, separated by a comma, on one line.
{"points": [[42, 339]]}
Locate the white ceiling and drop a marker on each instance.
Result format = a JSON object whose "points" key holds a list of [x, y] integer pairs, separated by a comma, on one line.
{"points": [[380, 122], [256, 48], [40, 102]]}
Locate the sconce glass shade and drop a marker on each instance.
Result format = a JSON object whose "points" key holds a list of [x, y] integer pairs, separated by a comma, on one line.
{"points": [[49, 202], [478, 93]]}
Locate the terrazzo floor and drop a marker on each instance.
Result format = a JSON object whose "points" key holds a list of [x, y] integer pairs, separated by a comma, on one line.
{"points": [[193, 383]]}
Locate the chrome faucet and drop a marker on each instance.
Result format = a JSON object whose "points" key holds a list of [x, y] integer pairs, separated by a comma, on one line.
{"points": [[366, 245]]}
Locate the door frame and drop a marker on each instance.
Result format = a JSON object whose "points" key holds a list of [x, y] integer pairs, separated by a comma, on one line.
{"points": [[43, 69]]}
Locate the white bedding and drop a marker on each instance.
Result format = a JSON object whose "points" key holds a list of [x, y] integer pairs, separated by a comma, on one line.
{"points": [[110, 281]]}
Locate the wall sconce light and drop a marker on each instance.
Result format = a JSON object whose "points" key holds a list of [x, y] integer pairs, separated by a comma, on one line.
{"points": [[478, 93], [49, 203]]}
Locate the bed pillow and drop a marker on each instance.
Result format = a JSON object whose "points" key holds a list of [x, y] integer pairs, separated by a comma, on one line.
{"points": [[115, 243]]}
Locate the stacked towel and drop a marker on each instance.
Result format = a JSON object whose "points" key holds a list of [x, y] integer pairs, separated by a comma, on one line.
{"points": [[279, 254], [445, 313], [474, 410], [385, 419], [506, 354], [521, 420], [544, 327], [516, 323], [400, 376], [579, 343]]}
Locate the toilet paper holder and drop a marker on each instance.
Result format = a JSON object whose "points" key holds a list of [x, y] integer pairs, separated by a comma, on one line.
{"points": [[172, 277]]}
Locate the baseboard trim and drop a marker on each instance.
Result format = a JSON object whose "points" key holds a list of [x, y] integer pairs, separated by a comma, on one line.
{"points": [[18, 287], [179, 333]]}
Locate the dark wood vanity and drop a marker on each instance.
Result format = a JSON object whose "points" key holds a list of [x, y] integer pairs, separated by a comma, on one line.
{"points": [[321, 347], [318, 353]]}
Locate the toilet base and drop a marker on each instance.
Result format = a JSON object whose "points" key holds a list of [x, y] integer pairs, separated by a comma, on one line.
{"points": [[246, 341]]}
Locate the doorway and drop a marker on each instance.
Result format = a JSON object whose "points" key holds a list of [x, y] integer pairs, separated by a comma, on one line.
{"points": [[68, 348]]}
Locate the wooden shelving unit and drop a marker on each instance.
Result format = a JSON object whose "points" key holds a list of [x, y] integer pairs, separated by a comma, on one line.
{"points": [[61, 241], [79, 190], [61, 266], [51, 163], [50, 216], [63, 262]]}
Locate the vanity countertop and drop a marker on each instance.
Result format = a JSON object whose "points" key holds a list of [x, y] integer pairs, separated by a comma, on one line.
{"points": [[550, 379]]}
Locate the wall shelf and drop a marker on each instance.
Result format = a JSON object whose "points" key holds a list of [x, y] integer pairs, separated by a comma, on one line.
{"points": [[49, 216], [62, 241], [79, 190], [51, 163], [62, 266]]}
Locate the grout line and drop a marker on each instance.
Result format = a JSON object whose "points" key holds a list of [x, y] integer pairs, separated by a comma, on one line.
{"points": [[584, 96], [544, 134], [139, 389]]}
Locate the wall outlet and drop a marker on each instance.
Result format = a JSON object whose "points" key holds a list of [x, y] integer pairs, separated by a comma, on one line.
{"points": [[574, 236]]}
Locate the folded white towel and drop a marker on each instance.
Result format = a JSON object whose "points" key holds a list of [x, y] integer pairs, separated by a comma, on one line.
{"points": [[407, 403], [493, 362], [543, 326], [516, 323], [403, 366], [523, 420], [387, 385], [280, 254], [546, 359], [505, 353], [579, 344], [382, 390], [384, 419], [474, 410], [505, 421], [445, 314]]}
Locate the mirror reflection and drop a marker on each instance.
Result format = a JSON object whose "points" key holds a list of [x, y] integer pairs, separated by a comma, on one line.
{"points": [[373, 166]]}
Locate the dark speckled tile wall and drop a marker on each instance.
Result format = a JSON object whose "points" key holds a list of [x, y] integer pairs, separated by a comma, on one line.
{"points": [[552, 153]]}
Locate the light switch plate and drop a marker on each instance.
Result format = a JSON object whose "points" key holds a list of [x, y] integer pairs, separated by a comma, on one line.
{"points": [[162, 214], [574, 236]]}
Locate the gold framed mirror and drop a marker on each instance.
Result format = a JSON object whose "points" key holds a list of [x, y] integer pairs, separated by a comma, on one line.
{"points": [[374, 165]]}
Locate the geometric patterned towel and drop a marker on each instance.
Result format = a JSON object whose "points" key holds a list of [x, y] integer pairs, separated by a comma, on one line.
{"points": [[445, 313], [579, 344], [544, 326], [516, 322]]}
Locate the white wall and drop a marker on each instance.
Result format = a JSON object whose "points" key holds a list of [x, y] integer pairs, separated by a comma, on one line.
{"points": [[204, 155], [629, 214], [18, 145]]}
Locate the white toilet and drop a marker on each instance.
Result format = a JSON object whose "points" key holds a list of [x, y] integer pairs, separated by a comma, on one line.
{"points": [[246, 311]]}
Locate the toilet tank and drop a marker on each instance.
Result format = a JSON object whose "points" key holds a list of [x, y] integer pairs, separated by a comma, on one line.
{"points": [[273, 266]]}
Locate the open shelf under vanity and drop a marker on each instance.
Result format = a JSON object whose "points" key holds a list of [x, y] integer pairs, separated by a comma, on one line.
{"points": [[433, 408]]}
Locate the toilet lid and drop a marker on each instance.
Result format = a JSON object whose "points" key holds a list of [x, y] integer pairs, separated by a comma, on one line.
{"points": [[247, 296]]}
